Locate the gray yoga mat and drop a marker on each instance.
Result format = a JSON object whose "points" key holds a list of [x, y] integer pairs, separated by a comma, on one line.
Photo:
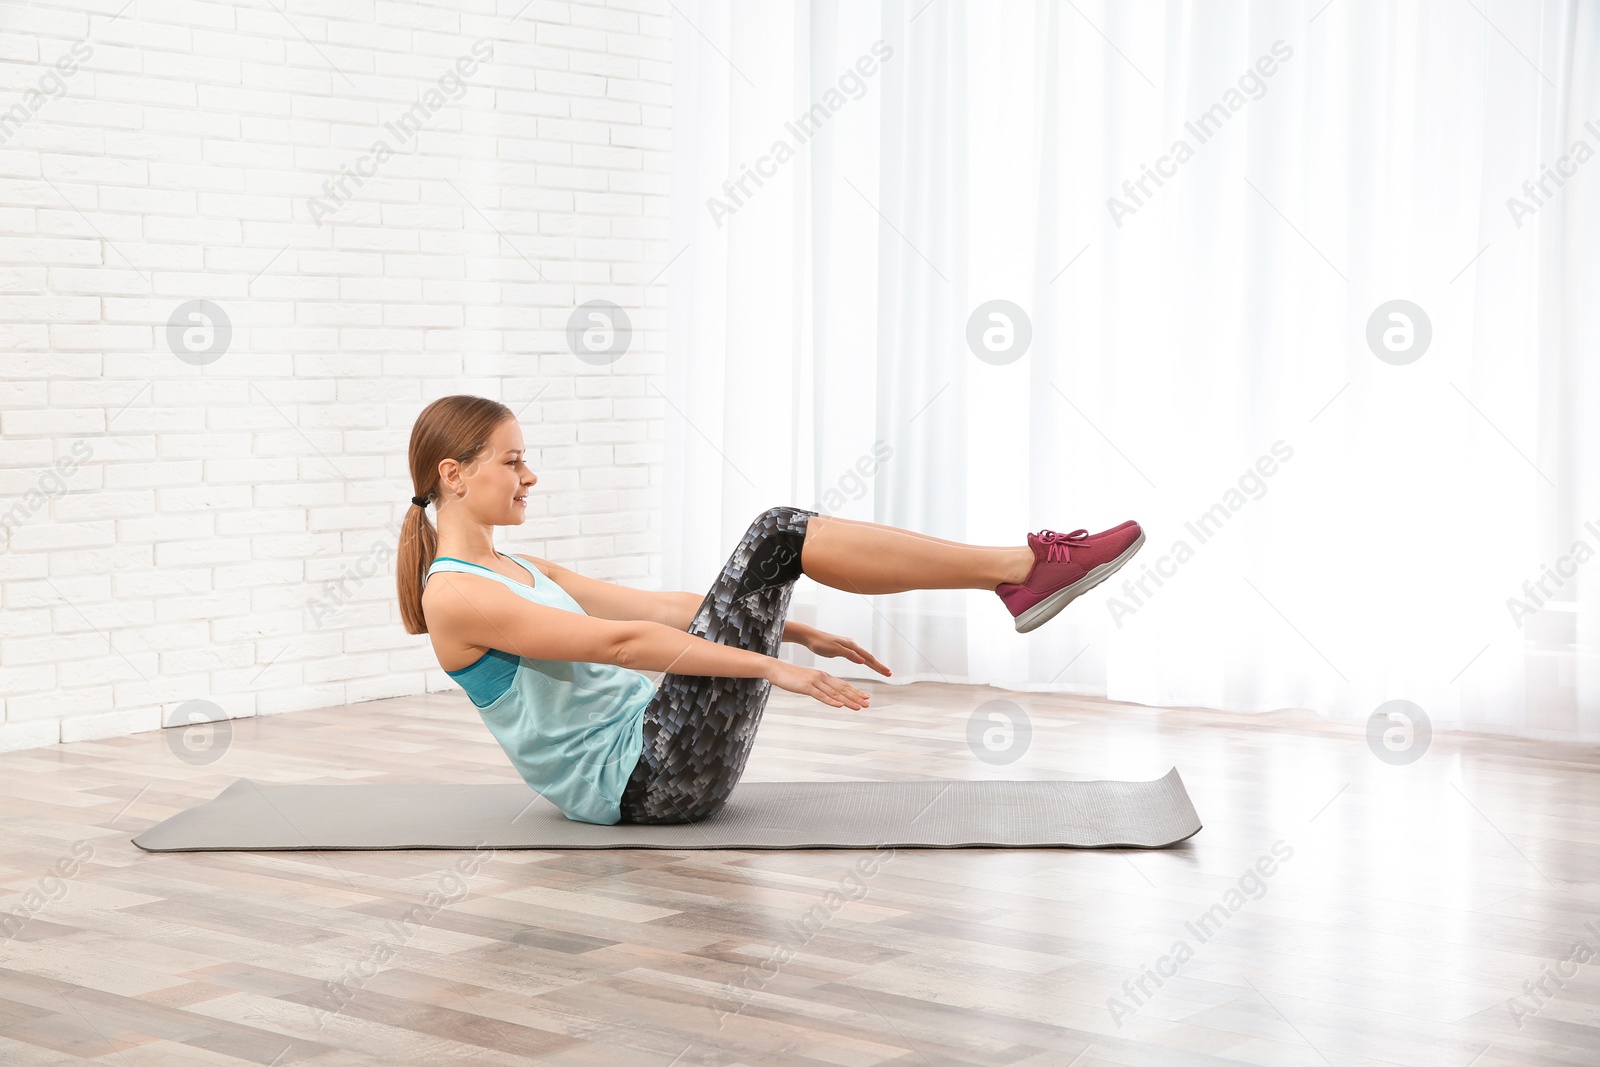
{"points": [[267, 816]]}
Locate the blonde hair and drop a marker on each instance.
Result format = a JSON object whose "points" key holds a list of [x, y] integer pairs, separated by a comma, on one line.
{"points": [[452, 427]]}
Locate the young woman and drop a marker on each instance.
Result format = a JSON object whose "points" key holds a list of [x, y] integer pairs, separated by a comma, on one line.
{"points": [[551, 659]]}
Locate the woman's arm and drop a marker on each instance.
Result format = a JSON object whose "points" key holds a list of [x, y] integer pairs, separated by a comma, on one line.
{"points": [[480, 611], [606, 600], [622, 603], [678, 611], [799, 632], [652, 646]]}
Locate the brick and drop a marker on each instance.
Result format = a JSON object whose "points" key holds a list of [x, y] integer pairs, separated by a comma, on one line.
{"points": [[214, 505]]}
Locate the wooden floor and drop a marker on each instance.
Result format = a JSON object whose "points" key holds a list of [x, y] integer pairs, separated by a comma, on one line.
{"points": [[1414, 903]]}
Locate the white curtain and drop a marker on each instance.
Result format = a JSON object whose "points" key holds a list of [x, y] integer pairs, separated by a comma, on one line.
{"points": [[1333, 521]]}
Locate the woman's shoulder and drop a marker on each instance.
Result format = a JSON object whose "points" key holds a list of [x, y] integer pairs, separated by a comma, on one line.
{"points": [[544, 565]]}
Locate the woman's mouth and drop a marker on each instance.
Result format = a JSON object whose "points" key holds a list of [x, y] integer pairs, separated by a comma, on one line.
{"points": [[523, 500]]}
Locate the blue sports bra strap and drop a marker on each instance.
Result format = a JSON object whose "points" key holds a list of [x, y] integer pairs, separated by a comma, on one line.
{"points": [[533, 571], [445, 563]]}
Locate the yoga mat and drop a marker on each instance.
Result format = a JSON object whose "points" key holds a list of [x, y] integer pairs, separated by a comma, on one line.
{"points": [[268, 816]]}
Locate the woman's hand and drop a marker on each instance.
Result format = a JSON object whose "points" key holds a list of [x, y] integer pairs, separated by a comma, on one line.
{"points": [[825, 644], [808, 681]]}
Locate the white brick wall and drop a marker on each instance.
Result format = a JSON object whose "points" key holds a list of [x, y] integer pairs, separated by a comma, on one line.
{"points": [[172, 531]]}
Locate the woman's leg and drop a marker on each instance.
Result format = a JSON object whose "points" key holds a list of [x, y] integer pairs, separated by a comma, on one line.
{"points": [[865, 557], [698, 729]]}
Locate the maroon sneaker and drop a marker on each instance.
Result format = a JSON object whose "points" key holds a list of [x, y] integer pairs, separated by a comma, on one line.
{"points": [[1065, 566]]}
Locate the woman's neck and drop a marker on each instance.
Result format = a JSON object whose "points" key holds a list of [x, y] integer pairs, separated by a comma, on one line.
{"points": [[481, 558]]}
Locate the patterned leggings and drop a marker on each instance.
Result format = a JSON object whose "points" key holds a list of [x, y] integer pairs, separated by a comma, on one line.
{"points": [[698, 729]]}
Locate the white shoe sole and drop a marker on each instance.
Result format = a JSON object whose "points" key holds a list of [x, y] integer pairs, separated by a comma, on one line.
{"points": [[1046, 609]]}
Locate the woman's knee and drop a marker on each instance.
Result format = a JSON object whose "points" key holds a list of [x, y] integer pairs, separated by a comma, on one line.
{"points": [[782, 516], [774, 558]]}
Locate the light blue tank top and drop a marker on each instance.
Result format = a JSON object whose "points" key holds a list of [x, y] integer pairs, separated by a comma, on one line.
{"points": [[573, 730]]}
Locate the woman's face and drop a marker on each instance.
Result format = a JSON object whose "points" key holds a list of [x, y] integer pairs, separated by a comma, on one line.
{"points": [[496, 483]]}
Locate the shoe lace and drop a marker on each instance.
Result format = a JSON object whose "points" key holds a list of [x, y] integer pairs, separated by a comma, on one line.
{"points": [[1057, 544]]}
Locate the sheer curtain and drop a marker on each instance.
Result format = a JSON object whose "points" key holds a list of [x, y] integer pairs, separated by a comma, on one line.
{"points": [[1310, 291]]}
